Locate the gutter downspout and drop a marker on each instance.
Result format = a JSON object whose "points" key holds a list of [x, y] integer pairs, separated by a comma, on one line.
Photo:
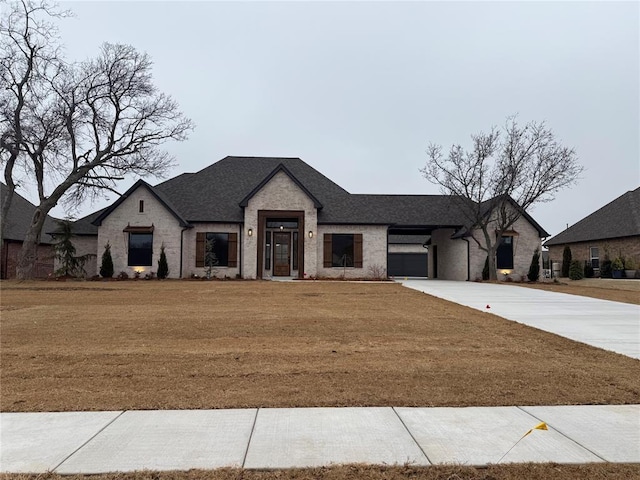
{"points": [[240, 235], [387, 259], [468, 260], [181, 248]]}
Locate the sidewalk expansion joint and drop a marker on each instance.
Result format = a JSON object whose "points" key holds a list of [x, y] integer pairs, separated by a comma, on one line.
{"points": [[85, 443], [411, 435], [564, 435], [253, 427]]}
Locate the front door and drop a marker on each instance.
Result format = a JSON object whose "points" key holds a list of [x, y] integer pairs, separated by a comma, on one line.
{"points": [[281, 254]]}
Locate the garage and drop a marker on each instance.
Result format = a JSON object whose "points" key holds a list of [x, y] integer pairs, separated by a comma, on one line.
{"points": [[407, 255], [407, 264]]}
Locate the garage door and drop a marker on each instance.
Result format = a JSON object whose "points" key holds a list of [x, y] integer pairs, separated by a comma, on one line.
{"points": [[407, 265]]}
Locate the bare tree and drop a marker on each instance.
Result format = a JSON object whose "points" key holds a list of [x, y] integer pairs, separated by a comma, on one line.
{"points": [[94, 123], [505, 172], [28, 55]]}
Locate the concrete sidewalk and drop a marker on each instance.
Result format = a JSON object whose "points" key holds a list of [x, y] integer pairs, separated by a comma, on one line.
{"points": [[609, 325], [99, 442]]}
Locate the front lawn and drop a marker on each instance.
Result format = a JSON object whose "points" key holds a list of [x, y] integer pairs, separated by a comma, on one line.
{"points": [[196, 344]]}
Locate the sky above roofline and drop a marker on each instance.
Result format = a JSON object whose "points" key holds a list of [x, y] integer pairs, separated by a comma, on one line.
{"points": [[359, 89]]}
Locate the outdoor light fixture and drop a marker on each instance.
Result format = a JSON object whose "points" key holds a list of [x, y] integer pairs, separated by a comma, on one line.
{"points": [[310, 234], [281, 227], [250, 232]]}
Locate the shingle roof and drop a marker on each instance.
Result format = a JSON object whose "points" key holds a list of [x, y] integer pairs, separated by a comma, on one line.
{"points": [[619, 218], [218, 192], [85, 226], [19, 218], [406, 210]]}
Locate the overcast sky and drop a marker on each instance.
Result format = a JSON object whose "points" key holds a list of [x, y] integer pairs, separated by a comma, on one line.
{"points": [[359, 89]]}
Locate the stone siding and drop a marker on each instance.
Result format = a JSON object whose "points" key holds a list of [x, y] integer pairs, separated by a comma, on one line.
{"points": [[189, 250], [86, 244], [451, 256], [280, 193], [524, 244], [374, 250], [166, 231]]}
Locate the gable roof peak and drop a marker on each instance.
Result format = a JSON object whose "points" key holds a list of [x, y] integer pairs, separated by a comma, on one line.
{"points": [[618, 218], [280, 168], [158, 195]]}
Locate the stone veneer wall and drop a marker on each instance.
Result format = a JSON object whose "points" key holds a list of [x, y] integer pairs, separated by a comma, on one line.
{"points": [[280, 193], [374, 250], [524, 245], [614, 247], [451, 256], [86, 244], [189, 250], [166, 230]]}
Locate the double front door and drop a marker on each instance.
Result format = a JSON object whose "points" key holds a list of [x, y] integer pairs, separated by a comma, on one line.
{"points": [[282, 254]]}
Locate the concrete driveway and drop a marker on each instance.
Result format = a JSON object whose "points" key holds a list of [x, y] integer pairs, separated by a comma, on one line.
{"points": [[609, 325]]}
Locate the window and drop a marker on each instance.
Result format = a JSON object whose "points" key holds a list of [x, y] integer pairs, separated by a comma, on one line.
{"points": [[282, 222], [140, 249], [141, 206], [504, 255], [267, 251], [294, 251], [215, 249], [594, 257], [342, 250]]}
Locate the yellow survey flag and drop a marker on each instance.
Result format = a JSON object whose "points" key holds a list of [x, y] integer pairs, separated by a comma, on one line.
{"points": [[540, 426]]}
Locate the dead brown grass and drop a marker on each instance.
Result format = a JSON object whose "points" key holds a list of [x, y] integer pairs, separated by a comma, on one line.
{"points": [[529, 471], [625, 291], [180, 344]]}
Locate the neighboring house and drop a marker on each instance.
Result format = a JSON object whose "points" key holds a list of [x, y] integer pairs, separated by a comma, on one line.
{"points": [[612, 231], [255, 217], [18, 221]]}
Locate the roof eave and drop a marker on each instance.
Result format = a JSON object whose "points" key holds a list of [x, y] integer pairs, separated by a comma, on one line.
{"points": [[280, 168], [98, 221]]}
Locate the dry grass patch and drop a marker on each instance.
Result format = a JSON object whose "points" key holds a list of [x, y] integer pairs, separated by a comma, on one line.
{"points": [[180, 344], [529, 471], [625, 291]]}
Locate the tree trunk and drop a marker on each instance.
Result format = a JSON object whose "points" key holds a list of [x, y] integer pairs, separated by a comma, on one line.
{"points": [[493, 271], [491, 253], [6, 205], [29, 252], [8, 198]]}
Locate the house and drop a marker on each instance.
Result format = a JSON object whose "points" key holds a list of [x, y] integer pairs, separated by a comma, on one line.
{"points": [[18, 221], [613, 231], [263, 217]]}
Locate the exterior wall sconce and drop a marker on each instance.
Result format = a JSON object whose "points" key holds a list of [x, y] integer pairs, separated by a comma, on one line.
{"points": [[310, 234], [281, 227], [250, 232]]}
